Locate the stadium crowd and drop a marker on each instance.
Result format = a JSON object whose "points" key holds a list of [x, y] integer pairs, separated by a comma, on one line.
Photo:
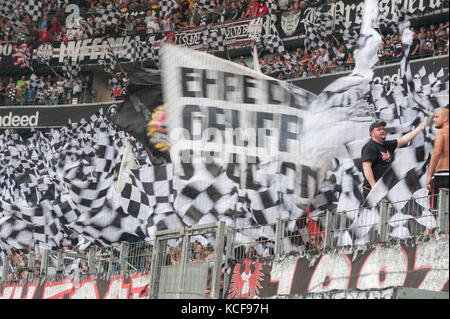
{"points": [[143, 17], [50, 89]]}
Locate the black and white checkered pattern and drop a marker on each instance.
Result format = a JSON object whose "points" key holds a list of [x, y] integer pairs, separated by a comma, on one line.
{"points": [[167, 7], [137, 51], [347, 30], [7, 10], [273, 44], [71, 68], [34, 9], [206, 5], [318, 31], [213, 38], [109, 16], [109, 62]]}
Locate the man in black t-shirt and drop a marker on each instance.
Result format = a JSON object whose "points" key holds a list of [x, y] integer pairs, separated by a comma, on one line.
{"points": [[377, 155]]}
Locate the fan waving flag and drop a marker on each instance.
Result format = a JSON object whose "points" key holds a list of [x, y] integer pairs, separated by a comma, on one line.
{"points": [[136, 51], [34, 9], [71, 68], [109, 16], [167, 7]]}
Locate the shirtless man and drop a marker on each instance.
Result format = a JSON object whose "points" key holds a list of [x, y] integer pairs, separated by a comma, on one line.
{"points": [[438, 173]]}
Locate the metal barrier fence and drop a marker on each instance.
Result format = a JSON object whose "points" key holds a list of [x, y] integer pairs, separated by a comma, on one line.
{"points": [[197, 262]]}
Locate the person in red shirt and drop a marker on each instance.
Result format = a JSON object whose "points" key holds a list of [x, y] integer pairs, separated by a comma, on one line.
{"points": [[262, 9], [44, 35], [55, 26]]}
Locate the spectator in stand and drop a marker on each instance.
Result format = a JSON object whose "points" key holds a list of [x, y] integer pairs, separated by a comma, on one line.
{"points": [[130, 25], [31, 94], [86, 86], [167, 24], [194, 18], [350, 61], [262, 9], [53, 94], [398, 48], [41, 96], [11, 92], [21, 82], [242, 9], [153, 26], [252, 9], [183, 5], [43, 23], [302, 72], [55, 26], [231, 11], [149, 15], [203, 18], [141, 27], [414, 50], [118, 92], [76, 88], [44, 35], [388, 50], [2, 93], [442, 42], [216, 15], [242, 61], [60, 85], [429, 44]]}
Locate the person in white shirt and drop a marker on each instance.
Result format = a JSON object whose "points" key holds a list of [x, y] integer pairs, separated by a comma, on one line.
{"points": [[53, 95], [153, 26], [76, 88], [149, 17]]}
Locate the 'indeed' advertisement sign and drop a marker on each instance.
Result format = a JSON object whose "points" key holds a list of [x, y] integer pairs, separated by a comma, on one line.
{"points": [[14, 120]]}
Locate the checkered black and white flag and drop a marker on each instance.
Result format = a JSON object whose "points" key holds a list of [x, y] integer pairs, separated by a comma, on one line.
{"points": [[136, 51], [318, 30], [109, 16], [272, 43], [206, 5], [213, 38], [110, 61], [34, 9], [167, 7], [71, 68]]}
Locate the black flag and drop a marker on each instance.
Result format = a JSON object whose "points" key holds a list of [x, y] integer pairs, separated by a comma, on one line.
{"points": [[143, 99]]}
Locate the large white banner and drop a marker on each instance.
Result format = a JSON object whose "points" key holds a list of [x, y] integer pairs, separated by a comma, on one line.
{"points": [[224, 114]]}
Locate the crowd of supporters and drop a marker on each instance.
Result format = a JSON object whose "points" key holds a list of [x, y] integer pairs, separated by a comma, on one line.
{"points": [[136, 17], [334, 56], [45, 90]]}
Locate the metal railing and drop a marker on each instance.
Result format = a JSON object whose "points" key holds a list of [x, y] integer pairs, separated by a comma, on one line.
{"points": [[197, 262]]}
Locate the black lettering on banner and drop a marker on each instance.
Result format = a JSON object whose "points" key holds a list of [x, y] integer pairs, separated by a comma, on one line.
{"points": [[233, 169], [252, 163], [306, 172], [212, 118], [205, 82], [186, 164], [270, 97], [260, 117], [227, 88], [289, 170], [188, 119], [186, 77], [284, 131], [293, 101], [237, 134], [247, 84]]}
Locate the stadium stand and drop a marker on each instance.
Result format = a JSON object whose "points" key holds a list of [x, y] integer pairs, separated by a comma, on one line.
{"points": [[53, 23], [29, 81]]}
